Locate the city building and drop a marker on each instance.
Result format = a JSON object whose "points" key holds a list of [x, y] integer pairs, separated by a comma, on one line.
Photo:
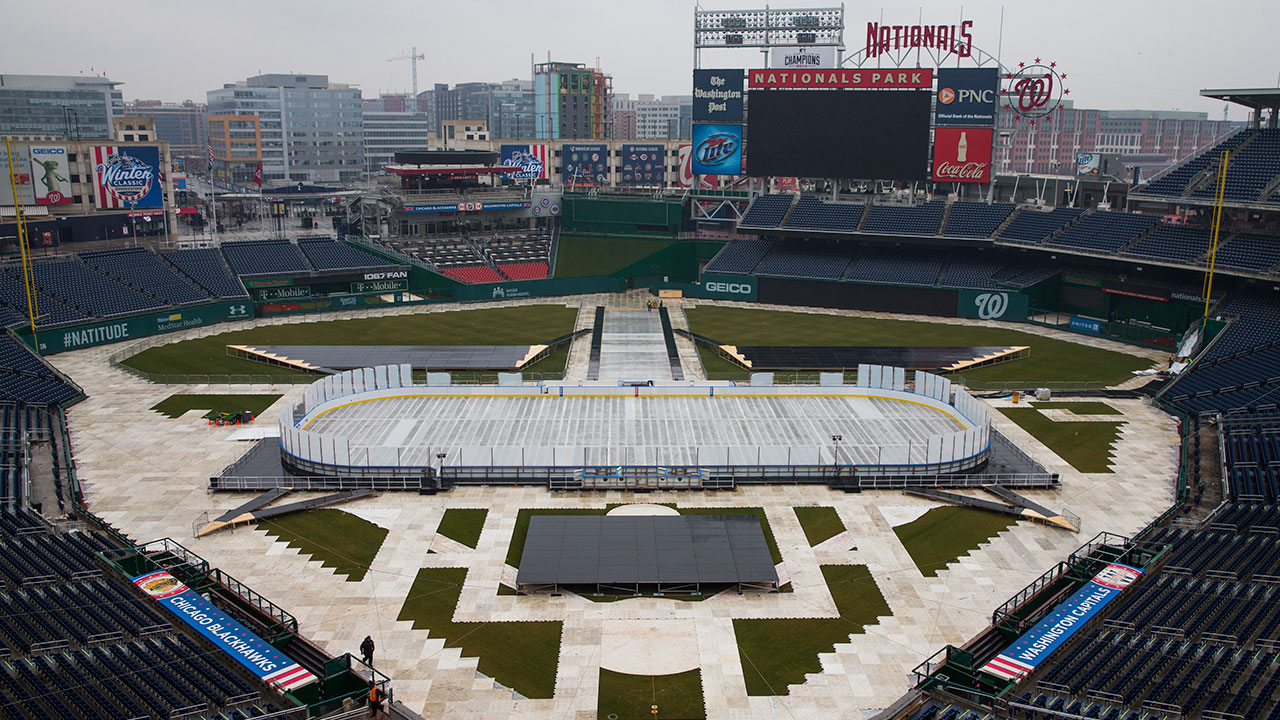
{"points": [[388, 130], [133, 129], [236, 142], [1147, 139], [311, 130], [623, 120], [511, 110], [182, 125], [571, 101], [65, 106], [465, 135], [669, 117]]}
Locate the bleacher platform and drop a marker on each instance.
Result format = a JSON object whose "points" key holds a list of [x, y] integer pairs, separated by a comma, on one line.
{"points": [[896, 266], [472, 274], [1172, 243], [1107, 232], [1250, 251], [141, 269], [524, 271], [810, 213], [1174, 182], [81, 287], [806, 259], [740, 256], [976, 220], [905, 219], [1034, 227], [264, 257], [1251, 168], [329, 254], [208, 269], [766, 211]]}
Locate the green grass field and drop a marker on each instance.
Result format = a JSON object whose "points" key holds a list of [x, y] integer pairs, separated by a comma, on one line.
{"points": [[1086, 445], [580, 255], [1078, 408], [521, 655], [463, 525], [1050, 360], [175, 405], [945, 534], [526, 324], [778, 653], [631, 697], [819, 523], [338, 539]]}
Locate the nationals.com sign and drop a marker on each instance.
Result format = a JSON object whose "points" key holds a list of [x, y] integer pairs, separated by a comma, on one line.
{"points": [[962, 155]]}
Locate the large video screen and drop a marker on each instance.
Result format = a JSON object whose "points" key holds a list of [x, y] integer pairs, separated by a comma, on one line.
{"points": [[861, 134]]}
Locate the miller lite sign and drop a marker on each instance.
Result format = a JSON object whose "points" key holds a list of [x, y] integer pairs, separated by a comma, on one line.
{"points": [[962, 155], [127, 177], [717, 149]]}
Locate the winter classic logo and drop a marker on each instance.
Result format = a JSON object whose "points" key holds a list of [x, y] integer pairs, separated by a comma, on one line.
{"points": [[530, 165], [126, 178]]}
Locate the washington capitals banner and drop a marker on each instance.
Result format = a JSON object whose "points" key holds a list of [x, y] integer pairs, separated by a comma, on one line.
{"points": [[251, 651], [1021, 658]]}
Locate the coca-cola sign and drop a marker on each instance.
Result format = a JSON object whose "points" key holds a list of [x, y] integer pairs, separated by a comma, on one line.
{"points": [[962, 155]]}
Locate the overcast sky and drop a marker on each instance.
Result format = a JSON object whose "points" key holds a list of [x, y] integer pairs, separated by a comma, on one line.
{"points": [[1116, 53]]}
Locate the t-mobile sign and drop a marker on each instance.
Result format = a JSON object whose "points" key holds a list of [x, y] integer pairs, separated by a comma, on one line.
{"points": [[962, 155]]}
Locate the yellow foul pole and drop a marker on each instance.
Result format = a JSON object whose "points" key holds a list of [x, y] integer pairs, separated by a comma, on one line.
{"points": [[1217, 226], [20, 219]]}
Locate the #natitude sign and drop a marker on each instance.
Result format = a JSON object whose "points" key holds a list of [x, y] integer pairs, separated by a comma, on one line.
{"points": [[962, 155], [642, 164]]}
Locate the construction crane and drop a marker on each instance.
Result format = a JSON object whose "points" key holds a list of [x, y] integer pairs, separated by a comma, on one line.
{"points": [[413, 57]]}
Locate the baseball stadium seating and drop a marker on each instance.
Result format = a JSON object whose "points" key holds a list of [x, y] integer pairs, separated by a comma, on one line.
{"points": [[767, 211], [905, 219], [810, 259], [264, 257], [902, 267], [1036, 227], [208, 269], [472, 273], [84, 288], [1174, 183], [1250, 251], [329, 254], [1171, 243], [811, 213], [143, 271], [976, 220], [1107, 232]]}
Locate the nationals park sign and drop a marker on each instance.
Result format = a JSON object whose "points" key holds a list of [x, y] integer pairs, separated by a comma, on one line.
{"points": [[855, 79]]}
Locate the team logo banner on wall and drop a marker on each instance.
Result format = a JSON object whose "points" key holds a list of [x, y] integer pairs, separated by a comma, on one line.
{"points": [[585, 164], [1021, 658], [257, 655], [127, 177], [685, 178], [643, 164], [1088, 164], [717, 149], [21, 173], [531, 159], [802, 58], [49, 175], [962, 155], [967, 96], [717, 96]]}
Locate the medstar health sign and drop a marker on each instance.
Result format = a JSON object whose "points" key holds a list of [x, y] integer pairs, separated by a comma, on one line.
{"points": [[127, 177]]}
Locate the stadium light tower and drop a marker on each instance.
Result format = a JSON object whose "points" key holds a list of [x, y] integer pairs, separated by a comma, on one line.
{"points": [[413, 57]]}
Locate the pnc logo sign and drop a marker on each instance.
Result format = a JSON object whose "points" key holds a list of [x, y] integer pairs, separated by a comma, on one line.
{"points": [[946, 96], [730, 288]]}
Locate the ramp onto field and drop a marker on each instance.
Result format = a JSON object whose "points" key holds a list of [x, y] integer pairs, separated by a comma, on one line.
{"points": [[254, 510], [1048, 517], [322, 358], [834, 357]]}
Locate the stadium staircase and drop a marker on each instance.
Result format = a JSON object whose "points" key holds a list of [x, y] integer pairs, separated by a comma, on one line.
{"points": [[866, 213], [1007, 221], [1137, 239], [946, 218], [786, 216], [1049, 240], [1207, 178]]}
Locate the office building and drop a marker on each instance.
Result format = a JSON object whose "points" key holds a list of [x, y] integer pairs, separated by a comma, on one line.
{"points": [[182, 125], [571, 101], [58, 106]]}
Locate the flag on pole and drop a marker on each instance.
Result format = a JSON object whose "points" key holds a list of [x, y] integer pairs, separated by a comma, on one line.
{"points": [[210, 149], [257, 174]]}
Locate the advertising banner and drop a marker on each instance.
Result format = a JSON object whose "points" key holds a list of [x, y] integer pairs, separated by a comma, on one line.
{"points": [[531, 159], [802, 58], [717, 149], [917, 78], [962, 155], [1037, 644], [967, 96], [241, 644], [49, 175], [90, 335], [21, 173], [643, 165], [725, 287], [1080, 324], [685, 177], [585, 164], [1088, 164], [127, 177], [717, 96]]}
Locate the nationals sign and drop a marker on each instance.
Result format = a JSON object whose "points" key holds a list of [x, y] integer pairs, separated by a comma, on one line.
{"points": [[962, 155], [916, 78], [127, 177]]}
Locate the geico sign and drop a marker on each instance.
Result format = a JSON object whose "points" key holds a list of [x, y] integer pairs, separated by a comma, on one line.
{"points": [[723, 287]]}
